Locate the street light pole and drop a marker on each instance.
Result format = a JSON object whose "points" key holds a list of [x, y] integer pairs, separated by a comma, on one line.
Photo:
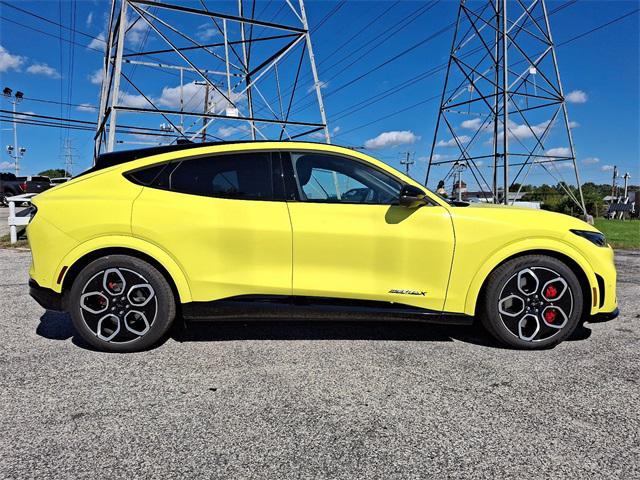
{"points": [[15, 139], [14, 151]]}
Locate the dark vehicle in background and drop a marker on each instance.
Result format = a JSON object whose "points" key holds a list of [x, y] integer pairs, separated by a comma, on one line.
{"points": [[37, 184], [59, 180], [10, 185]]}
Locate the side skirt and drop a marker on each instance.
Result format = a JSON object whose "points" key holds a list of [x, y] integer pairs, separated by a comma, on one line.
{"points": [[314, 308]]}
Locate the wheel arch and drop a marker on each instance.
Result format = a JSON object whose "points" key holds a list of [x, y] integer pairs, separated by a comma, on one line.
{"points": [[81, 256], [578, 265]]}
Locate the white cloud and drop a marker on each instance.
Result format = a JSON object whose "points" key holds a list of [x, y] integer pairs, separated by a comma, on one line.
{"points": [[43, 69], [462, 139], [131, 100], [436, 157], [591, 160], [86, 107], [320, 134], [96, 77], [226, 132], [523, 131], [9, 61], [573, 124], [559, 152], [576, 96], [25, 115], [136, 31], [193, 94], [322, 85], [6, 165], [606, 168], [472, 124], [206, 32], [391, 139], [89, 21], [98, 43]]}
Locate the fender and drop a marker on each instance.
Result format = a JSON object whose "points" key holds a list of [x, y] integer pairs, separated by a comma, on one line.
{"points": [[522, 247], [133, 243]]}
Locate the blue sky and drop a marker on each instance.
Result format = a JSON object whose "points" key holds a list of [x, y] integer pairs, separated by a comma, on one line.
{"points": [[601, 69]]}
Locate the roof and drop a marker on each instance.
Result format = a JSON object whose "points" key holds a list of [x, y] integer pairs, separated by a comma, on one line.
{"points": [[111, 159]]}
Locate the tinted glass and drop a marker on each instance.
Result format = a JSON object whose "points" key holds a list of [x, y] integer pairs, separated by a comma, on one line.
{"points": [[146, 175], [335, 179], [242, 176]]}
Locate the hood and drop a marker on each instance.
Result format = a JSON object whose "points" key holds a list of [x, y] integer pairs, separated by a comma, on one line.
{"points": [[522, 218]]}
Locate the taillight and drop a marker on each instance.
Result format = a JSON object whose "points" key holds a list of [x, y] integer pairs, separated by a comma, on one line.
{"points": [[31, 212], [23, 186]]}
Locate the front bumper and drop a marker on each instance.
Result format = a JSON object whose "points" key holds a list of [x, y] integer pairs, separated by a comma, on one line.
{"points": [[604, 316], [45, 297]]}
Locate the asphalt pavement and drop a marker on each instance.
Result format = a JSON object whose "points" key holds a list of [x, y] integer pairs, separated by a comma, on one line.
{"points": [[316, 400]]}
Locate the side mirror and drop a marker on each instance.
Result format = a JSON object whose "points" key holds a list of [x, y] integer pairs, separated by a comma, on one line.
{"points": [[411, 197]]}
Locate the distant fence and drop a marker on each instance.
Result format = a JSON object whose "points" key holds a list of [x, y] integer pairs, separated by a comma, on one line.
{"points": [[21, 219]]}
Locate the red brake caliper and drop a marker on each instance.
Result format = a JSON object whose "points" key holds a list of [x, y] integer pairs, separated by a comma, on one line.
{"points": [[550, 316], [551, 292]]}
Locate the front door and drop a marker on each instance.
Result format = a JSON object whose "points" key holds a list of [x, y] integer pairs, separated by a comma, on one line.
{"points": [[352, 240]]}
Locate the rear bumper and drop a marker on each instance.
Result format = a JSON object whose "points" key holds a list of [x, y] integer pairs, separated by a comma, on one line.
{"points": [[604, 316], [45, 297]]}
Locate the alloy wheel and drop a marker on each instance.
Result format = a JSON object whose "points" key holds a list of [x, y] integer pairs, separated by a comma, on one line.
{"points": [[535, 304], [118, 305]]}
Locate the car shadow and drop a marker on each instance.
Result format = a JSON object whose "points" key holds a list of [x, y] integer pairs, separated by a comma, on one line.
{"points": [[58, 326]]}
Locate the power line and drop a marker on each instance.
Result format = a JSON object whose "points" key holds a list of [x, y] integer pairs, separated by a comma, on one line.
{"points": [[417, 78], [392, 30], [395, 89], [422, 102]]}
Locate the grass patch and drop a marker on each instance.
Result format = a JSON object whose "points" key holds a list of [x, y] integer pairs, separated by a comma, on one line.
{"points": [[620, 233], [5, 242]]}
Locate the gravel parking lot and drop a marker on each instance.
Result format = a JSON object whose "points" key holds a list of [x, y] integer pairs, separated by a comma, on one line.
{"points": [[318, 400]]}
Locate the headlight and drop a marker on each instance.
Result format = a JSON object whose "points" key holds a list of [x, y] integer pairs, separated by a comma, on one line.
{"points": [[594, 237]]}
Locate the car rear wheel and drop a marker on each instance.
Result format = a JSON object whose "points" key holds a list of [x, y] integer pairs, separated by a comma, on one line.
{"points": [[120, 303], [532, 302]]}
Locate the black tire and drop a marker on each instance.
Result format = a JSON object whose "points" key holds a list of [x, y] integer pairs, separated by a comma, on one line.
{"points": [[535, 283], [101, 302], [3, 200]]}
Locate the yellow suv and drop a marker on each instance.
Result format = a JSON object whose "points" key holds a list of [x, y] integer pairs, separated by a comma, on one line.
{"points": [[255, 229]]}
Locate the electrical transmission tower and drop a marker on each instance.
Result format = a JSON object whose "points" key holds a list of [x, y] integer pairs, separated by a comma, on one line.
{"points": [[502, 76], [68, 157], [207, 74]]}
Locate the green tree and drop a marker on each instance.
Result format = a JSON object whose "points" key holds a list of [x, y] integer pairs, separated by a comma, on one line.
{"points": [[54, 173]]}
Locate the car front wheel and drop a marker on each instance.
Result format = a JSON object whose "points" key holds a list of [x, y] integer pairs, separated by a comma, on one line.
{"points": [[120, 303], [532, 302]]}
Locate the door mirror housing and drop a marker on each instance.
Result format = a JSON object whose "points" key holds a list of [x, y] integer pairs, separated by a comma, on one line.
{"points": [[412, 197]]}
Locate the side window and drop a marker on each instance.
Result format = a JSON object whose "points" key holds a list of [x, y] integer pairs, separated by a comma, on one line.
{"points": [[335, 179], [245, 176], [144, 176]]}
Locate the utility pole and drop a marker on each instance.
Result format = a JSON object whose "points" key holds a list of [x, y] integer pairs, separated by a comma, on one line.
{"points": [[626, 181], [15, 152], [206, 109], [613, 182], [407, 161], [458, 169]]}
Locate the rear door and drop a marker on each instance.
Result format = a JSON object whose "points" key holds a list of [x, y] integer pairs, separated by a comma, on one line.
{"points": [[352, 240], [222, 218]]}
